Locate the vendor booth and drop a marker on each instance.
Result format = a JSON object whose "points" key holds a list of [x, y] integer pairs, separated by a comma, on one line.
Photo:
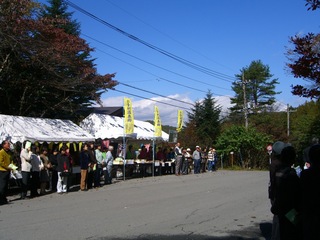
{"points": [[17, 128], [40, 130], [111, 127]]}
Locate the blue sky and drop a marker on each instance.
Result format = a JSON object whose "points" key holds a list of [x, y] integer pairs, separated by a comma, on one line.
{"points": [[223, 36]]}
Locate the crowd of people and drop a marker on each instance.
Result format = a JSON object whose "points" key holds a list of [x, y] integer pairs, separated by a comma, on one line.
{"points": [[41, 172], [294, 193], [199, 160], [43, 169]]}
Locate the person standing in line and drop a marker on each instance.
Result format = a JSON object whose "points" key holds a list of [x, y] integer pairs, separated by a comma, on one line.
{"points": [[84, 165], [37, 165], [305, 153], [215, 160], [130, 154], [54, 173], [26, 166], [109, 164], [44, 173], [92, 167], [99, 158], [288, 198], [190, 161], [310, 179], [169, 164], [274, 167], [178, 157], [185, 160], [196, 160], [210, 159], [204, 160], [69, 183], [5, 169], [62, 168]]}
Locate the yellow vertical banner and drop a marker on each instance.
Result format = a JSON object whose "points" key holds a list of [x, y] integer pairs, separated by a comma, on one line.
{"points": [[180, 120], [157, 123], [128, 116]]}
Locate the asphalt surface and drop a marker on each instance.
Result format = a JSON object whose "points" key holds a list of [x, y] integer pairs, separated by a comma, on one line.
{"points": [[223, 205]]}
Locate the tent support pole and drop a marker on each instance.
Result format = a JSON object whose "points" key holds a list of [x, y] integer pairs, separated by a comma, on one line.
{"points": [[153, 158], [124, 158]]}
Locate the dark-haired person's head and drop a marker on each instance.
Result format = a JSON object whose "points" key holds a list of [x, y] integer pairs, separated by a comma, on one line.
{"points": [[63, 149], [288, 155], [314, 155]]}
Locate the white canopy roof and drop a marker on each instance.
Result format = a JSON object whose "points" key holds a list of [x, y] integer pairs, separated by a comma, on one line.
{"points": [[17, 128], [111, 127]]}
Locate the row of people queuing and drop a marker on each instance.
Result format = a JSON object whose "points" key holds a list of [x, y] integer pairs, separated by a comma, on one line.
{"points": [[42, 171], [199, 160], [295, 194], [45, 169], [183, 159]]}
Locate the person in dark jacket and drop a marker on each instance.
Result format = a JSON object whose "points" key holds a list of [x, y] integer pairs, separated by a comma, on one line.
{"points": [[84, 165], [275, 166], [53, 172], [287, 203], [91, 169], [310, 179], [62, 169]]}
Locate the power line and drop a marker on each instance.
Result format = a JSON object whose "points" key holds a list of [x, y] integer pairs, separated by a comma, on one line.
{"points": [[195, 66], [178, 74], [160, 78], [165, 34], [149, 99], [155, 93]]}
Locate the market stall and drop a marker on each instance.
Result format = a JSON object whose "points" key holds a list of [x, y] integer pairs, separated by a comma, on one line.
{"points": [[18, 128], [111, 127]]}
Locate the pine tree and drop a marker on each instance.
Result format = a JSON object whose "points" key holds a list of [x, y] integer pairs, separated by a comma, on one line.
{"points": [[204, 120], [58, 10], [259, 89]]}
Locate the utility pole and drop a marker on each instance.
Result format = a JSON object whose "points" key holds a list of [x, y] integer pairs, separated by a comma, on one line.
{"points": [[244, 101], [288, 119]]}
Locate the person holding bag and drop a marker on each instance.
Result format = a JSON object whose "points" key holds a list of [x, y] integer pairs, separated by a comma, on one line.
{"points": [[44, 173]]}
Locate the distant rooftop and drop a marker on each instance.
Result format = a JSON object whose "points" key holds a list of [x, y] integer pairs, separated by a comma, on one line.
{"points": [[112, 111]]}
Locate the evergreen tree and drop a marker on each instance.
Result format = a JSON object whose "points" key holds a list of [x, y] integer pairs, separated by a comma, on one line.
{"points": [[58, 10], [204, 120], [259, 89]]}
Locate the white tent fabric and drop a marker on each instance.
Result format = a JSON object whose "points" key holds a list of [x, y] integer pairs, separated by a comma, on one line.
{"points": [[111, 127], [17, 128]]}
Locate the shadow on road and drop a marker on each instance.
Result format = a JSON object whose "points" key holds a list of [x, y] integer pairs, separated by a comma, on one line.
{"points": [[263, 231]]}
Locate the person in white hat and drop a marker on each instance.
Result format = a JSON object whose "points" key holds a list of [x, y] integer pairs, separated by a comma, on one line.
{"points": [[197, 160]]}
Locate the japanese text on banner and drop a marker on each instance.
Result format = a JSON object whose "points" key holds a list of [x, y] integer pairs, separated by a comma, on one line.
{"points": [[180, 120], [128, 117], [157, 123]]}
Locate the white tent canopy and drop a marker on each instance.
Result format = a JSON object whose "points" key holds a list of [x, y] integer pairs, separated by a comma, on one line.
{"points": [[111, 127], [17, 128]]}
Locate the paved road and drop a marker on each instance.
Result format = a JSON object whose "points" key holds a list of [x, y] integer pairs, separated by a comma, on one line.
{"points": [[223, 205]]}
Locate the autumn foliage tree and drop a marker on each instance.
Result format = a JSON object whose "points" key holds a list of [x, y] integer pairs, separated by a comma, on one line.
{"points": [[44, 70], [304, 60]]}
